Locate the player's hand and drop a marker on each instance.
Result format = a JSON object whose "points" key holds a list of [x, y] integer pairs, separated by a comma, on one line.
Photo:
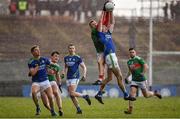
{"points": [[29, 74], [83, 78], [60, 88], [127, 81], [62, 76], [51, 72], [104, 8]]}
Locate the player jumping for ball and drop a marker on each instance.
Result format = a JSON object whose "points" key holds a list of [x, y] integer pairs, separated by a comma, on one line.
{"points": [[104, 34]]}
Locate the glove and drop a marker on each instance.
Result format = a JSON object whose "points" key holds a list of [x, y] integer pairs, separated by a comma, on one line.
{"points": [[83, 79], [60, 88], [29, 74], [62, 76], [127, 81]]}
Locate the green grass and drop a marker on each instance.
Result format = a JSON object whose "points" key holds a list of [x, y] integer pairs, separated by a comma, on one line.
{"points": [[12, 107]]}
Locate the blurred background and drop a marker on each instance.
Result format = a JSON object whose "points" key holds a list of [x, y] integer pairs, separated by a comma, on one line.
{"points": [[53, 24]]}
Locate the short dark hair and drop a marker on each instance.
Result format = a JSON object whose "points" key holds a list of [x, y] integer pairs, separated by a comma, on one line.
{"points": [[71, 44], [55, 52], [33, 47], [91, 22], [131, 49]]}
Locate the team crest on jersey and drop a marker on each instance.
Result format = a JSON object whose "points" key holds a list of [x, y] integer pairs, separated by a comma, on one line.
{"points": [[108, 36], [43, 61], [70, 63]]}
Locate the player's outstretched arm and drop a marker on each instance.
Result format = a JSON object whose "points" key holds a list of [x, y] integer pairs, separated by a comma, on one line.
{"points": [[100, 23], [111, 21]]}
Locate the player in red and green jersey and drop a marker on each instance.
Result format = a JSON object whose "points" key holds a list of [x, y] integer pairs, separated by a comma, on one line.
{"points": [[137, 68], [55, 79], [99, 49]]}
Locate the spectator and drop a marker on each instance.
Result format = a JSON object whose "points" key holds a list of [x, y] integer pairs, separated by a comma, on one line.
{"points": [[177, 11], [22, 6], [165, 9], [172, 10], [13, 8], [31, 7]]}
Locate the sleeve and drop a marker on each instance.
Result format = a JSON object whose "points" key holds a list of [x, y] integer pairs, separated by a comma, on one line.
{"points": [[30, 65], [80, 60], [141, 61], [58, 68], [48, 61]]}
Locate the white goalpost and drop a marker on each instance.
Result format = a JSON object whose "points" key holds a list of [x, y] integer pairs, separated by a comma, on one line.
{"points": [[153, 53]]}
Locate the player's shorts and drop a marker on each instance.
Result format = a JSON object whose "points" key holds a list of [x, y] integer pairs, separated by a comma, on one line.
{"points": [[42, 85], [72, 82], [99, 56], [142, 84], [53, 83], [112, 61]]}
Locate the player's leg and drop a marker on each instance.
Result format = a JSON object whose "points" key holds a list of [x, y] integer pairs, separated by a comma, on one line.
{"points": [[112, 62], [46, 87], [101, 68], [71, 89], [133, 92], [35, 88], [146, 93], [98, 96], [118, 74], [72, 85], [74, 82], [45, 100], [57, 96], [107, 80]]}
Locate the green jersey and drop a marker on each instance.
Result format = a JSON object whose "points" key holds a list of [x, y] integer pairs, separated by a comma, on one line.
{"points": [[97, 43], [135, 65], [56, 68]]}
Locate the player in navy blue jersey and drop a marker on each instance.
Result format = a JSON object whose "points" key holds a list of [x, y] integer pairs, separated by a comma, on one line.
{"points": [[40, 83], [104, 33], [72, 62]]}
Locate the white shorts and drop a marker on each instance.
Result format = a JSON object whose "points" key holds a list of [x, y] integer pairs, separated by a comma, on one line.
{"points": [[53, 83], [99, 56], [72, 82], [112, 61], [142, 84], [42, 85]]}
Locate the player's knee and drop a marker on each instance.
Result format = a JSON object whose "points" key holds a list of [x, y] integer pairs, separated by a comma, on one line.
{"points": [[71, 96], [146, 96], [71, 93], [55, 93]]}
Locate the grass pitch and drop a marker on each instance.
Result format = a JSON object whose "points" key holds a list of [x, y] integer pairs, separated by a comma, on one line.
{"points": [[168, 107]]}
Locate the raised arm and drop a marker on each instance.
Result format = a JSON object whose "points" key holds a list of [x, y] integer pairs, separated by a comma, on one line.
{"points": [[111, 21], [100, 23]]}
